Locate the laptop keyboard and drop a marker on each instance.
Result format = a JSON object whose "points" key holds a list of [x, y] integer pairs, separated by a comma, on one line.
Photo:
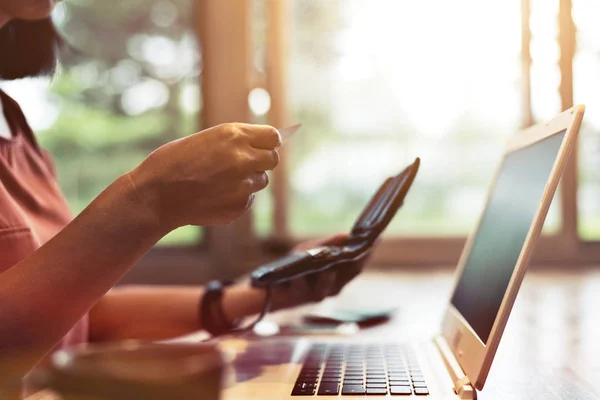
{"points": [[355, 369]]}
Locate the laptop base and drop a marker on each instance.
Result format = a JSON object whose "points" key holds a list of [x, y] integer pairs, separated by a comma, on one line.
{"points": [[462, 386]]}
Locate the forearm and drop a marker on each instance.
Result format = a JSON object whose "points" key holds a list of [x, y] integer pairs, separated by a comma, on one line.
{"points": [[44, 295], [162, 312]]}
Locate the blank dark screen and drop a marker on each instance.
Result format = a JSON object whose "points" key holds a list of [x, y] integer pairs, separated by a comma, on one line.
{"points": [[505, 223]]}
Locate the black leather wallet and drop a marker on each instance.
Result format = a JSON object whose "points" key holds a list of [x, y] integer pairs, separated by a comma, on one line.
{"points": [[372, 221]]}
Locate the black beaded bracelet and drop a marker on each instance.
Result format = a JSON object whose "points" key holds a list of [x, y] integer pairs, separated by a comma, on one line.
{"points": [[211, 311]]}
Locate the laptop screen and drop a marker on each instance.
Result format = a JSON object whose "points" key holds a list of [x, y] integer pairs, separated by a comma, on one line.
{"points": [[510, 211]]}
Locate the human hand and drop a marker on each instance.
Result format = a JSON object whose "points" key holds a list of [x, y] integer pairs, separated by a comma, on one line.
{"points": [[207, 178], [319, 285]]}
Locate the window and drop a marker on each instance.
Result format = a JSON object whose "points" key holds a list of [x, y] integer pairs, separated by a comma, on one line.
{"points": [[376, 86], [372, 98]]}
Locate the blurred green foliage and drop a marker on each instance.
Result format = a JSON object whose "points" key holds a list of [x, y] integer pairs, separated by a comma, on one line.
{"points": [[101, 131]]}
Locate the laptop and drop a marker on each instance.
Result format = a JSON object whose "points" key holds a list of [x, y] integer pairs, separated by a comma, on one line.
{"points": [[455, 363]]}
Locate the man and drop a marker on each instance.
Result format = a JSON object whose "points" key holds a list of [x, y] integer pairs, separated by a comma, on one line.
{"points": [[56, 272]]}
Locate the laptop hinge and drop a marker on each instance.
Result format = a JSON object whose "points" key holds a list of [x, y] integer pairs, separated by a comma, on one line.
{"points": [[462, 385]]}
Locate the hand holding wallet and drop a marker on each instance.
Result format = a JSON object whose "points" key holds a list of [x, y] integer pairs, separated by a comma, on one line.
{"points": [[372, 221]]}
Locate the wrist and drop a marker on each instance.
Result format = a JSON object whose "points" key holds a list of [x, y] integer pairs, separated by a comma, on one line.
{"points": [[242, 300], [145, 197], [131, 204]]}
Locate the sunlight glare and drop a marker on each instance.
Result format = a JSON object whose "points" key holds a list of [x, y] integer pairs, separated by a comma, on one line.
{"points": [[436, 63]]}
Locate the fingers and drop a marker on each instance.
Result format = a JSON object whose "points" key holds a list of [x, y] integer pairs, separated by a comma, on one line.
{"points": [[239, 202], [256, 182], [262, 136], [347, 272], [263, 160], [321, 285]]}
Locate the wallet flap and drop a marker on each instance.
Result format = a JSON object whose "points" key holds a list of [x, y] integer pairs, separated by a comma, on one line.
{"points": [[382, 207]]}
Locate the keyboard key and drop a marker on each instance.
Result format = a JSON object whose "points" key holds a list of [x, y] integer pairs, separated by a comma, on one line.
{"points": [[421, 391], [397, 376], [376, 392], [399, 382], [397, 370], [352, 382], [298, 392], [328, 389], [420, 384], [397, 367], [312, 365], [310, 370], [400, 390], [305, 385], [376, 385], [303, 389], [353, 390], [309, 374], [354, 375], [307, 379], [376, 380], [330, 379]]}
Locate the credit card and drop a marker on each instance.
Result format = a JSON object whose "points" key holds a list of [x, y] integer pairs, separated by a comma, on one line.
{"points": [[288, 131]]}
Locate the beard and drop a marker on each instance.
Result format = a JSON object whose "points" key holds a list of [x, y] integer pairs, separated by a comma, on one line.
{"points": [[28, 49]]}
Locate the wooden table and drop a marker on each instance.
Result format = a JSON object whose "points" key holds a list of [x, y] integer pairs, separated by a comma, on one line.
{"points": [[551, 346]]}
